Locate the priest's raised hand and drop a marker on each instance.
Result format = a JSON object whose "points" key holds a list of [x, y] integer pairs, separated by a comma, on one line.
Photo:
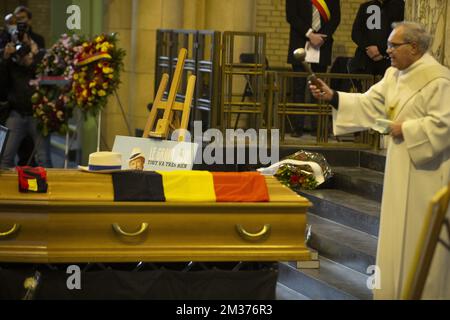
{"points": [[322, 92]]}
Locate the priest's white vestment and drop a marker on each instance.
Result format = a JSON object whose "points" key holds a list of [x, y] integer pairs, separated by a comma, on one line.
{"points": [[416, 166]]}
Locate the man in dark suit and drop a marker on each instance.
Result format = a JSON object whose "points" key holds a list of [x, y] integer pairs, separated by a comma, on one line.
{"points": [[18, 63], [5, 37], [313, 21], [371, 35]]}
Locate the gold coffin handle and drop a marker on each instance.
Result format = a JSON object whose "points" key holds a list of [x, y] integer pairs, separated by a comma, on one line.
{"points": [[259, 236], [119, 231], [11, 232]]}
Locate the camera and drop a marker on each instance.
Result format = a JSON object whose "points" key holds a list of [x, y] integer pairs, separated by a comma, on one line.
{"points": [[22, 50], [17, 37], [22, 29]]}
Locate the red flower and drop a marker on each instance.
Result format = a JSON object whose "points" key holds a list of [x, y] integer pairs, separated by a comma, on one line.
{"points": [[294, 179]]}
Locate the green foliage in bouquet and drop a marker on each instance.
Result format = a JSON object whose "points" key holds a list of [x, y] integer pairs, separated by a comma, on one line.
{"points": [[302, 176], [296, 177]]}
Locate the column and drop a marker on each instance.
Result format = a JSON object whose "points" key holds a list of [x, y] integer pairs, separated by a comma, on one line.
{"points": [[137, 22], [434, 15]]}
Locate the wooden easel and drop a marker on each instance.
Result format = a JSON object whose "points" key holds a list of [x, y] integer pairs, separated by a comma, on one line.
{"points": [[433, 225], [167, 123]]}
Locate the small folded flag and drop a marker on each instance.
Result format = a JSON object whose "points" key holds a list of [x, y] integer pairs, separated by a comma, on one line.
{"points": [[138, 186], [240, 187], [32, 179], [188, 186]]}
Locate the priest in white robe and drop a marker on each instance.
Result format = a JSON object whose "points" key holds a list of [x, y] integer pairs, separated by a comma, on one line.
{"points": [[415, 95]]}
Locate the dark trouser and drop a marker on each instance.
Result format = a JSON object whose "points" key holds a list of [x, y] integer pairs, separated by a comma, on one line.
{"points": [[299, 96], [21, 126]]}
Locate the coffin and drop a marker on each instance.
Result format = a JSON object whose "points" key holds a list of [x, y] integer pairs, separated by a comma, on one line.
{"points": [[77, 221]]}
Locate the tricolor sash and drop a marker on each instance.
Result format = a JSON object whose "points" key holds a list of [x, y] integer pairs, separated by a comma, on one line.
{"points": [[93, 58], [322, 7]]}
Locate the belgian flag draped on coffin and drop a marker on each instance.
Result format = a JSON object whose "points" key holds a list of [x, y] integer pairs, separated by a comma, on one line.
{"points": [[190, 186]]}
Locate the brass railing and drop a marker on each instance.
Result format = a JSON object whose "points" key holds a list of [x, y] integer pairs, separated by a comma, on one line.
{"points": [[283, 107], [249, 67], [232, 84]]}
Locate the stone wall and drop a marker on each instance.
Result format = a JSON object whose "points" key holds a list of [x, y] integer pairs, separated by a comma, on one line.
{"points": [[42, 19]]}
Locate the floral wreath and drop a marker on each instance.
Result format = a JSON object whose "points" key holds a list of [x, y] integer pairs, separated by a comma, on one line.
{"points": [[97, 73], [51, 102], [82, 75]]}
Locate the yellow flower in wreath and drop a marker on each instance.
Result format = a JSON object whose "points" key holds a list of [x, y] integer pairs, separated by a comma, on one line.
{"points": [[99, 39], [108, 70], [105, 46], [102, 93]]}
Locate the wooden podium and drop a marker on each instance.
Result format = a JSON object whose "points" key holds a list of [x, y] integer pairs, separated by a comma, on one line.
{"points": [[169, 122]]}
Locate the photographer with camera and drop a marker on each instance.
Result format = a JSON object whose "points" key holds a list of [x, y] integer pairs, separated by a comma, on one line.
{"points": [[10, 28], [5, 37], [17, 67]]}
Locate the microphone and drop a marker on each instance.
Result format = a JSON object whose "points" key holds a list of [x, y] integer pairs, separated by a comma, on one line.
{"points": [[300, 55]]}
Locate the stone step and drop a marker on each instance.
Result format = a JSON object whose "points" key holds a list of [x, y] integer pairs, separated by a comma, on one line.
{"points": [[349, 247], [332, 281], [345, 208], [374, 160], [285, 293], [361, 181]]}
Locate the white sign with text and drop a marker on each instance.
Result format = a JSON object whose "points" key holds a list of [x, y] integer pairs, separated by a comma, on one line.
{"points": [[163, 155]]}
